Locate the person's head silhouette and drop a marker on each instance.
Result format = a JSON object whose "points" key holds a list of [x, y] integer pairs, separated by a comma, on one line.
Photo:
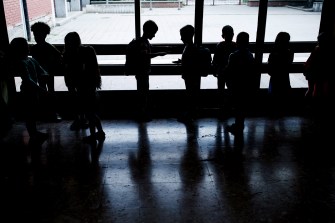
{"points": [[19, 48], [72, 41], [282, 40], [227, 33], [187, 33], [150, 29], [242, 40], [40, 31]]}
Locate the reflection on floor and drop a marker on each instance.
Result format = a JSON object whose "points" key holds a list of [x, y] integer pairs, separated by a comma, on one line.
{"points": [[280, 170]]}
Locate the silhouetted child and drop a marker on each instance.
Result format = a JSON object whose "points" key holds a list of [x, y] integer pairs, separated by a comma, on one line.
{"points": [[241, 80], [190, 73], [32, 86], [280, 61], [73, 68], [83, 77], [319, 72], [220, 60], [6, 119], [50, 58], [142, 67]]}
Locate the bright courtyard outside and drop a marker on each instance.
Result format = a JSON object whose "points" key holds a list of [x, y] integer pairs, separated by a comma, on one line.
{"points": [[118, 28]]}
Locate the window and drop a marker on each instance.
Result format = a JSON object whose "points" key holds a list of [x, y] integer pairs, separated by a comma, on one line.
{"points": [[118, 27]]}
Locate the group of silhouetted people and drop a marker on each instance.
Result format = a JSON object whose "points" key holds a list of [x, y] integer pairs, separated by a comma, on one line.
{"points": [[37, 66], [233, 64]]}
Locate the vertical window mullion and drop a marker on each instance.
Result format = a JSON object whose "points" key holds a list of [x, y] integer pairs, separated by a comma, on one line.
{"points": [[137, 5], [261, 25], [198, 21]]}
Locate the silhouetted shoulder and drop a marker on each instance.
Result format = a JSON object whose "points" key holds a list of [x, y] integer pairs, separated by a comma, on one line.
{"points": [[226, 45], [44, 48], [88, 54], [87, 49], [49, 57]]}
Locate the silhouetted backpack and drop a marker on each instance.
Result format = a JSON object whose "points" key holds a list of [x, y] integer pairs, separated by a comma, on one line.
{"points": [[132, 56], [204, 60]]}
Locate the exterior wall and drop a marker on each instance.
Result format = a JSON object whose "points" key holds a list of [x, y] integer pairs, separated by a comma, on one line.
{"points": [[12, 12], [85, 2], [14, 18], [75, 5], [61, 8], [41, 10], [38, 10]]}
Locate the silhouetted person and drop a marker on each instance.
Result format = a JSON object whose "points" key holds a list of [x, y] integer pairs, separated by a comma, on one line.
{"points": [[280, 61], [83, 77], [32, 86], [319, 71], [241, 75], [190, 74], [220, 60], [5, 113], [50, 58], [73, 68], [142, 71]]}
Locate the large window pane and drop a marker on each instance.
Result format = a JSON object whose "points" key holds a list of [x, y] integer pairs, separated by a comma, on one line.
{"points": [[14, 19], [301, 24], [218, 13], [169, 20], [118, 27], [240, 17], [97, 28]]}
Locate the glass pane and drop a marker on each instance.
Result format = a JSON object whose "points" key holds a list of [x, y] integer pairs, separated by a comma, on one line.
{"points": [[302, 24], [170, 16], [240, 16], [114, 23], [219, 13], [97, 28], [14, 19]]}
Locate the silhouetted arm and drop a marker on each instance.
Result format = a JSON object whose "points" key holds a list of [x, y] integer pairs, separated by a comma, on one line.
{"points": [[152, 55]]}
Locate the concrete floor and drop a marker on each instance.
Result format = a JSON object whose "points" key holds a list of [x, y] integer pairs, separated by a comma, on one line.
{"points": [[280, 170]]}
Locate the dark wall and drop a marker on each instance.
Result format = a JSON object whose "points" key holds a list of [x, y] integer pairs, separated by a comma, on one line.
{"points": [[168, 104]]}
